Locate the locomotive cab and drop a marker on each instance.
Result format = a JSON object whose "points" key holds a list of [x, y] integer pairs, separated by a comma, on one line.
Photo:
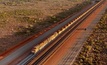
{"points": [[34, 50]]}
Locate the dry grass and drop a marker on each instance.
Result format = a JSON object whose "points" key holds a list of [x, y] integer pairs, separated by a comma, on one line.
{"points": [[17, 15], [94, 51]]}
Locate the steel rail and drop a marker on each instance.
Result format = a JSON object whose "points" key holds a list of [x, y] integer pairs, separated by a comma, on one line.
{"points": [[57, 28], [86, 14], [34, 41]]}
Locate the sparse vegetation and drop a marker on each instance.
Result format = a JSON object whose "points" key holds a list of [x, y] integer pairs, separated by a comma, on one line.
{"points": [[94, 51], [22, 18], [56, 18]]}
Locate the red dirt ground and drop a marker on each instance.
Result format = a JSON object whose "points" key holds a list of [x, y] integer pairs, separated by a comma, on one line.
{"points": [[53, 60]]}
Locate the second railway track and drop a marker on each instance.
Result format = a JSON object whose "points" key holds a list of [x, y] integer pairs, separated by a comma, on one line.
{"points": [[47, 42], [58, 40]]}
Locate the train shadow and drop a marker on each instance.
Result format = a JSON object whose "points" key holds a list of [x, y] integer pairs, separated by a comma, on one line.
{"points": [[9, 41]]}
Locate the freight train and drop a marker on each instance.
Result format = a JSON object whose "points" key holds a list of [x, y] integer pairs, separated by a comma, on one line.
{"points": [[50, 38], [60, 30]]}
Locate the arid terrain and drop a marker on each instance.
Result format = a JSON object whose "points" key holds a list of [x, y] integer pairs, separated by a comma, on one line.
{"points": [[20, 19], [94, 51]]}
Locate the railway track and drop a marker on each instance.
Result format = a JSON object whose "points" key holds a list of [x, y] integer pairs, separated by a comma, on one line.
{"points": [[52, 46], [62, 30], [71, 55], [73, 51]]}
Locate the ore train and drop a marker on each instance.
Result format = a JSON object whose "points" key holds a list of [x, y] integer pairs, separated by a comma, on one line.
{"points": [[60, 30], [50, 38]]}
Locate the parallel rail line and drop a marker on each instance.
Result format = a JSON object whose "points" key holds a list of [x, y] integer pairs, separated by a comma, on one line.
{"points": [[51, 38], [63, 36]]}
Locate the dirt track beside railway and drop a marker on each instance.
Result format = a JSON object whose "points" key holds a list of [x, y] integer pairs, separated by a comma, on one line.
{"points": [[88, 23]]}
